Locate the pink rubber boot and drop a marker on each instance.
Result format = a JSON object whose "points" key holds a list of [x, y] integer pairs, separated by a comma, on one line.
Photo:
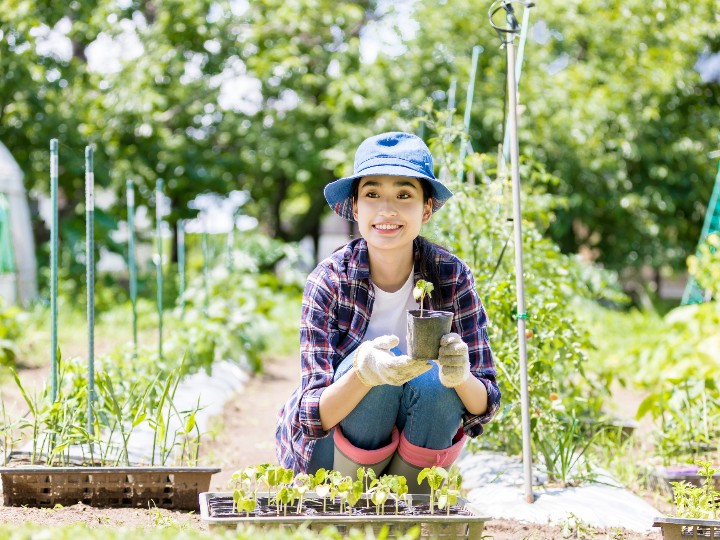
{"points": [[348, 458]]}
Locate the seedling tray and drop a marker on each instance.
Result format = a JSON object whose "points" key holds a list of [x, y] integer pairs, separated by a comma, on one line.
{"points": [[130, 487], [465, 520], [682, 528]]}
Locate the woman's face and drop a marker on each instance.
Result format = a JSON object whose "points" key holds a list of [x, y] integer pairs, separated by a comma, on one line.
{"points": [[390, 210]]}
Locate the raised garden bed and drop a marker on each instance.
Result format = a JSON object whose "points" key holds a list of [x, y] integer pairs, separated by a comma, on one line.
{"points": [[124, 487], [217, 509], [680, 528]]}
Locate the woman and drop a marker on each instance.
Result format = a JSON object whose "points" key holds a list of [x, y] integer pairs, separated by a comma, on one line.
{"points": [[362, 401]]}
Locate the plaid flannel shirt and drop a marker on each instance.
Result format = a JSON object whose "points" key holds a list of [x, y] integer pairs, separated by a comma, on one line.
{"points": [[336, 308]]}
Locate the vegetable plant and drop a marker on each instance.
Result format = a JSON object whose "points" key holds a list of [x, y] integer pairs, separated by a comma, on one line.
{"points": [[435, 477], [422, 289], [698, 502]]}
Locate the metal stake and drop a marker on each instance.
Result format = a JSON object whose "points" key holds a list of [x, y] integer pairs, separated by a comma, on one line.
{"points": [[477, 49], [90, 277], [181, 261], [132, 266], [158, 228], [507, 35], [54, 267]]}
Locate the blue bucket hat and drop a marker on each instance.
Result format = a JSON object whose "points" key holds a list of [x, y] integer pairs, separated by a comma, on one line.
{"points": [[391, 154]]}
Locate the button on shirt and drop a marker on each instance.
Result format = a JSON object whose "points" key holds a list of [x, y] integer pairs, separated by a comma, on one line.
{"points": [[336, 308]]}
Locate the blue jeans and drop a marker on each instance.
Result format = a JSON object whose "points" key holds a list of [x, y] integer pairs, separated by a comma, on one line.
{"points": [[428, 414]]}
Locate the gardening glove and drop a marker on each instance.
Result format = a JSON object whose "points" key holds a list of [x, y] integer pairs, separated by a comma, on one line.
{"points": [[453, 360], [376, 365]]}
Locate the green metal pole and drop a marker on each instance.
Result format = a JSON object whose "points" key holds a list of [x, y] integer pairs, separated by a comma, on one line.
{"points": [[132, 264], [230, 253], [54, 266], [451, 100], [181, 261], [90, 276], [158, 227], [206, 279], [477, 49]]}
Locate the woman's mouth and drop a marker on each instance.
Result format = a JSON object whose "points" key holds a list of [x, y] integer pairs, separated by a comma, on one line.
{"points": [[386, 227]]}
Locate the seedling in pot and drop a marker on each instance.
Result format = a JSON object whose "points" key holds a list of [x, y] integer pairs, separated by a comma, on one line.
{"points": [[368, 477], [422, 289]]}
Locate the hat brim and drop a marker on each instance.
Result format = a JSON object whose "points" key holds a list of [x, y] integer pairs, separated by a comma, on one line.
{"points": [[338, 194]]}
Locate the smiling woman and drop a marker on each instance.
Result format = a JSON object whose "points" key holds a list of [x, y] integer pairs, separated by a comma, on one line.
{"points": [[363, 400]]}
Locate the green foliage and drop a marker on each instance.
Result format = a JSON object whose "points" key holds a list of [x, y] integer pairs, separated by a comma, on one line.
{"points": [[705, 265], [82, 532], [474, 226], [10, 333], [611, 102], [698, 502], [673, 361]]}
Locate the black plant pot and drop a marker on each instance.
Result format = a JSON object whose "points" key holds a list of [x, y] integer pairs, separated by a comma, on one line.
{"points": [[424, 333]]}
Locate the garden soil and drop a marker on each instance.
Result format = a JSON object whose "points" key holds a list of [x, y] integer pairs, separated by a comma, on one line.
{"points": [[245, 435]]}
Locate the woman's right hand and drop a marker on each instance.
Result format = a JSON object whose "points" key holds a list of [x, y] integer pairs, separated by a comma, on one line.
{"points": [[376, 365]]}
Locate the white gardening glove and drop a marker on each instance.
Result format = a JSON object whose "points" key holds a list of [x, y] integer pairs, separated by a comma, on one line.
{"points": [[376, 365], [454, 360]]}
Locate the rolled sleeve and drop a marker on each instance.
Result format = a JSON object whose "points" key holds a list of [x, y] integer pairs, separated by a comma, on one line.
{"points": [[317, 328]]}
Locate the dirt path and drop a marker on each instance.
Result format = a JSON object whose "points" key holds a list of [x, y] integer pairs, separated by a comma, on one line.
{"points": [[247, 428]]}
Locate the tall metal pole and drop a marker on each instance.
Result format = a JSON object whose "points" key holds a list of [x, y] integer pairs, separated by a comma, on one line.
{"points": [[507, 34], [90, 277], [132, 265], [181, 261], [54, 267], [158, 225], [477, 49]]}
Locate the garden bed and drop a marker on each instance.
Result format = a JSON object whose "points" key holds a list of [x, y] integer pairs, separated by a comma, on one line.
{"points": [[679, 528], [118, 487], [217, 509]]}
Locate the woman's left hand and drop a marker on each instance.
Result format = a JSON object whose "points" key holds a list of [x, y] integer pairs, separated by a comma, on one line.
{"points": [[454, 360]]}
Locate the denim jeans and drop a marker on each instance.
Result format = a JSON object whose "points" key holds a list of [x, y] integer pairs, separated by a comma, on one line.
{"points": [[426, 412]]}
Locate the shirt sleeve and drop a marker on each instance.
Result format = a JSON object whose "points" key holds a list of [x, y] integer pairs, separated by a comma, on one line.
{"points": [[318, 330], [470, 323]]}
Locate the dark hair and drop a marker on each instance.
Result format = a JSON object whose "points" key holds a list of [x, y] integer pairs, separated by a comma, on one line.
{"points": [[429, 267]]}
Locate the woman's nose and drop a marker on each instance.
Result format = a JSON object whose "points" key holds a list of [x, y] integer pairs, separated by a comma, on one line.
{"points": [[387, 206]]}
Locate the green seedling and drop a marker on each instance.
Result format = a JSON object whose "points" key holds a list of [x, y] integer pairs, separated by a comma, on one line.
{"points": [[422, 289], [322, 488], [398, 489], [697, 502], [368, 477], [303, 482], [450, 490], [435, 477]]}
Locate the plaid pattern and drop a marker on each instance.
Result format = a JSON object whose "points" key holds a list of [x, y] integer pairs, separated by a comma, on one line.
{"points": [[336, 308]]}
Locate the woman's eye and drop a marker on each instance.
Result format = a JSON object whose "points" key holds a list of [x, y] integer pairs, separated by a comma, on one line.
{"points": [[371, 194], [404, 196]]}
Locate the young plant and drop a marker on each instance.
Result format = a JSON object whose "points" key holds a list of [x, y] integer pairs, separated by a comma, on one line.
{"points": [[434, 477], [321, 487], [698, 502], [398, 489], [422, 289], [303, 482], [379, 494], [368, 477], [244, 501], [450, 490]]}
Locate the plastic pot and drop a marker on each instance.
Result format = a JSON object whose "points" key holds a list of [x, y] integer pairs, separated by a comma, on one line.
{"points": [[424, 333]]}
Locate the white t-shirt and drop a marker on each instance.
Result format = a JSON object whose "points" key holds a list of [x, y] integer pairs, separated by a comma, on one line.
{"points": [[389, 313]]}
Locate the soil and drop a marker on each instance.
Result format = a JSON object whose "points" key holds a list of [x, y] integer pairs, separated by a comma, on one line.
{"points": [[244, 436]]}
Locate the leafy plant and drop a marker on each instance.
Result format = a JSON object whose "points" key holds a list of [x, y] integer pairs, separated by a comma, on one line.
{"points": [[698, 502], [421, 290], [435, 477]]}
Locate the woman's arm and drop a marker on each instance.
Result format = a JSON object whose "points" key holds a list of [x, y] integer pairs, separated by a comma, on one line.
{"points": [[474, 396]]}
